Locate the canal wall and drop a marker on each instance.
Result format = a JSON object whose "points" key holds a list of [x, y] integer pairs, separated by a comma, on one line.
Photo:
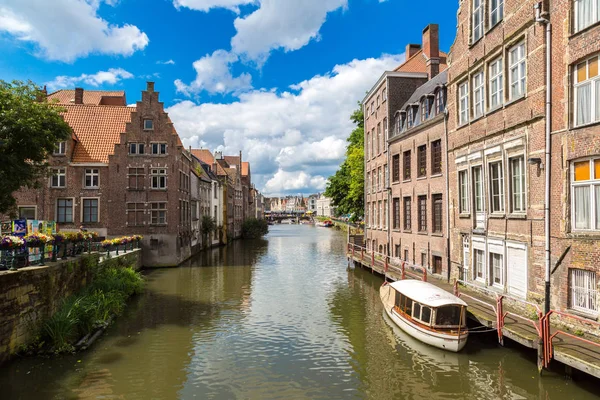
{"points": [[32, 294]]}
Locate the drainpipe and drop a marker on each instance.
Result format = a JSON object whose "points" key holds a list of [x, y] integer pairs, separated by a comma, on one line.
{"points": [[447, 195], [545, 21]]}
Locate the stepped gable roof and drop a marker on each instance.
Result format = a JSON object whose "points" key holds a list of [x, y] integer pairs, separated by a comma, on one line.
{"points": [[67, 96], [206, 156], [418, 63], [426, 88], [97, 128]]}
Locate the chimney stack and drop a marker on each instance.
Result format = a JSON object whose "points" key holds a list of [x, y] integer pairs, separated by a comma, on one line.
{"points": [[78, 96], [412, 49], [214, 168], [431, 49], [149, 86]]}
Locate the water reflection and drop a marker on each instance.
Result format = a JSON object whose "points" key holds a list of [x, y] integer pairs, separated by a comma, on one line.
{"points": [[277, 318]]}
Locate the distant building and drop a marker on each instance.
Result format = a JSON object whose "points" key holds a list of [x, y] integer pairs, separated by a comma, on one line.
{"points": [[324, 207]]}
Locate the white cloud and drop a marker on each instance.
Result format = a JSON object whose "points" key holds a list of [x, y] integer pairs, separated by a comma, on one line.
{"points": [[206, 5], [289, 25], [65, 30], [213, 75], [112, 76], [168, 62], [303, 129]]}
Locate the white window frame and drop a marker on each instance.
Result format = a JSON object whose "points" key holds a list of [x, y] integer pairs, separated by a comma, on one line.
{"points": [[517, 63], [58, 173], [477, 27], [146, 127], [496, 83], [463, 103], [81, 210], [594, 83], [595, 16], [478, 94], [493, 276], [91, 173], [61, 148], [463, 191], [72, 210], [19, 207], [594, 185], [474, 189], [477, 250], [496, 12], [583, 284], [522, 185], [499, 165], [158, 173]]}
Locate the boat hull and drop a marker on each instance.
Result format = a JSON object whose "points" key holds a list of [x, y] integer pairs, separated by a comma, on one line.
{"points": [[437, 339]]}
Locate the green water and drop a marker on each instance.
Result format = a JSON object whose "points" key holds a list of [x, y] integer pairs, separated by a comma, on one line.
{"points": [[283, 318]]}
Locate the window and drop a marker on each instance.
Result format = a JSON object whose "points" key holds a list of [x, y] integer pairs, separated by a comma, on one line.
{"points": [[586, 13], [437, 213], [587, 92], [582, 290], [377, 100], [463, 191], [440, 100], [60, 148], [424, 109], [379, 214], [496, 84], [92, 175], [64, 210], [411, 117], [384, 95], [478, 95], [396, 168], [406, 159], [373, 143], [372, 107], [477, 20], [379, 179], [422, 213], [424, 262], [436, 157], [159, 148], [158, 213], [496, 11], [136, 148], [368, 144], [437, 265], [478, 189], [496, 269], [148, 125], [517, 71], [421, 160], [407, 211], [517, 184], [496, 187], [386, 182], [90, 210], [135, 214], [396, 213], [59, 178], [385, 214], [27, 212], [585, 194], [368, 184], [379, 138], [159, 178], [405, 255], [136, 178], [478, 262], [374, 182], [463, 103], [385, 133]]}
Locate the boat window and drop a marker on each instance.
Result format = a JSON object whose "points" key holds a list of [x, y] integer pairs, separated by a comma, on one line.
{"points": [[448, 315], [417, 311], [408, 306], [399, 300], [426, 314]]}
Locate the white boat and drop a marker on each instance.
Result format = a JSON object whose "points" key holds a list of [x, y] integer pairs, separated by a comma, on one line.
{"points": [[427, 313]]}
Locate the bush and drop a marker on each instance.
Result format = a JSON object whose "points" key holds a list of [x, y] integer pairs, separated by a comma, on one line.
{"points": [[254, 228]]}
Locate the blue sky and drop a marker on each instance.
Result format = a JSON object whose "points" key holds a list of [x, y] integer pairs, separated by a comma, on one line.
{"points": [[276, 79]]}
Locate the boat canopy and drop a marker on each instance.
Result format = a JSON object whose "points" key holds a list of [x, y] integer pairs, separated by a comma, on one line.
{"points": [[426, 293]]}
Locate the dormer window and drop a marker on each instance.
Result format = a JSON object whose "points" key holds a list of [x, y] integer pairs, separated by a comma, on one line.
{"points": [[60, 148], [410, 118], [148, 125], [424, 109], [440, 100]]}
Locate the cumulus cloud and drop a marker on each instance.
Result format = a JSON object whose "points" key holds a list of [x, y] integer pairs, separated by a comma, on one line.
{"points": [[65, 30], [281, 133], [168, 62], [206, 5], [281, 24], [112, 76], [214, 76]]}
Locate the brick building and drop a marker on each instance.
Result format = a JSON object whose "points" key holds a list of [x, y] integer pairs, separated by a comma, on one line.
{"points": [[496, 96], [386, 97]]}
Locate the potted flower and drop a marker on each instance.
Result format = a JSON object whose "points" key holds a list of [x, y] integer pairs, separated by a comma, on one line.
{"points": [[11, 243], [60, 239], [38, 240], [137, 239]]}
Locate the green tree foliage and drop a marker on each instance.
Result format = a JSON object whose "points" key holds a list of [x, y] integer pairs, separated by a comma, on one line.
{"points": [[253, 228], [29, 131], [346, 186]]}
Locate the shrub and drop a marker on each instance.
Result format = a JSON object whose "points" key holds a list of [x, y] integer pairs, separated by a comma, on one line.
{"points": [[253, 228]]}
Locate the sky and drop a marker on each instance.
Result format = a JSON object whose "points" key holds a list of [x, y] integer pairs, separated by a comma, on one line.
{"points": [[276, 79]]}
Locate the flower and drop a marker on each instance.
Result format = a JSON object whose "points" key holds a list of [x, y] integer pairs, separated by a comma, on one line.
{"points": [[10, 242], [60, 237], [37, 239], [106, 243]]}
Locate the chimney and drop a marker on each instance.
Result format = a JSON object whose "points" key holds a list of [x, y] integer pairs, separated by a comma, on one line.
{"points": [[78, 96], [218, 155], [431, 49], [214, 168], [240, 161], [412, 49], [149, 86]]}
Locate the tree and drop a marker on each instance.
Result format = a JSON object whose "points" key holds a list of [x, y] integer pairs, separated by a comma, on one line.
{"points": [[207, 226], [346, 186], [30, 128]]}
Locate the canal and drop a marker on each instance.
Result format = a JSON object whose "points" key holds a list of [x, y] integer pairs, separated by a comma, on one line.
{"points": [[282, 317]]}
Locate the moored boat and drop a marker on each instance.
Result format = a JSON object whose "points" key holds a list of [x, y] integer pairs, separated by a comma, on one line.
{"points": [[427, 313]]}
